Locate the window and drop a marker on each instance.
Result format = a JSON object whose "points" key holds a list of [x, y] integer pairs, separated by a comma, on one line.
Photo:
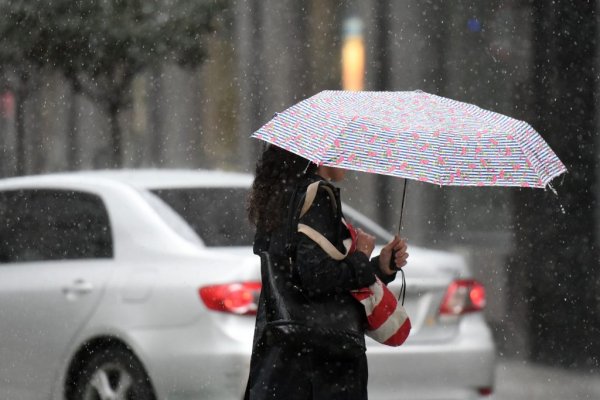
{"points": [[218, 215], [42, 224]]}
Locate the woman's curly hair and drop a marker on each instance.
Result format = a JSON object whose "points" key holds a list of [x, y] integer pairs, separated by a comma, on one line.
{"points": [[277, 173]]}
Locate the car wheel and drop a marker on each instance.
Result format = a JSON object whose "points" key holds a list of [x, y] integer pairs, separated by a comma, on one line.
{"points": [[113, 374]]}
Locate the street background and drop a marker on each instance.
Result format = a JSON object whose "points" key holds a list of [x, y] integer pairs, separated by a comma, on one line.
{"points": [[523, 380], [193, 104]]}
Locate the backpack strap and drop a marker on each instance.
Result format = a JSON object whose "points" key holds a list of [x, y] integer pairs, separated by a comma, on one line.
{"points": [[317, 237]]}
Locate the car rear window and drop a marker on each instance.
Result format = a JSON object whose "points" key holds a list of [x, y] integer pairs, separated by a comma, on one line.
{"points": [[217, 215], [44, 224]]}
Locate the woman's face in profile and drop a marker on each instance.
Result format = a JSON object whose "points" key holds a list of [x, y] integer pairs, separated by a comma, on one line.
{"points": [[331, 173]]}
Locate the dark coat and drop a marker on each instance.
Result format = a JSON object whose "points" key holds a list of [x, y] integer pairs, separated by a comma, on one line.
{"points": [[277, 372]]}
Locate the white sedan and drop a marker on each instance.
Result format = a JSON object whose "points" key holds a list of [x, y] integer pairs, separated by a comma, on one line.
{"points": [[142, 285]]}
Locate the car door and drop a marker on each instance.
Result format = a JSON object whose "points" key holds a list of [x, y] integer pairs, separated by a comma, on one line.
{"points": [[55, 257]]}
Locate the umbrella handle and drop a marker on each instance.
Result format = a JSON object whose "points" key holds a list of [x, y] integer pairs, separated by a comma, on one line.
{"points": [[392, 263], [402, 206], [402, 294]]}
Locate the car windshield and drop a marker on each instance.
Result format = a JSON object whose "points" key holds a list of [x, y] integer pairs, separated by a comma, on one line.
{"points": [[218, 215]]}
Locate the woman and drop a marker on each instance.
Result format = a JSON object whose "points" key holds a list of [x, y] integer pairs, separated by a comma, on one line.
{"points": [[278, 371]]}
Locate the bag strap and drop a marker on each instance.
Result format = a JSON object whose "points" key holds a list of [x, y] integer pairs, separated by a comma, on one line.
{"points": [[317, 237], [292, 220], [311, 194], [294, 216], [323, 242]]}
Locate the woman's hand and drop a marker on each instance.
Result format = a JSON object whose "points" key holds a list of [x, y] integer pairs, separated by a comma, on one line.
{"points": [[365, 243], [398, 246]]}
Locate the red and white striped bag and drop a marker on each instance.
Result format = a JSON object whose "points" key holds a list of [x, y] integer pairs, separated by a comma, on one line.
{"points": [[388, 322]]}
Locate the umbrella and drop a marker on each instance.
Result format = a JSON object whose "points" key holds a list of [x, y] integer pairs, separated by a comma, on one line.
{"points": [[414, 135]]}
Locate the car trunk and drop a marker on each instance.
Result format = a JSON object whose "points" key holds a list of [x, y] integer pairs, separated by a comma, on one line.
{"points": [[428, 275]]}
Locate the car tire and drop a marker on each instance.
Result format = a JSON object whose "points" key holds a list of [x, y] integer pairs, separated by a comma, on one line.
{"points": [[113, 373]]}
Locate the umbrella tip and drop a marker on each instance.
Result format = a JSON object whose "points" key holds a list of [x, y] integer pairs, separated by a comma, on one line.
{"points": [[562, 209]]}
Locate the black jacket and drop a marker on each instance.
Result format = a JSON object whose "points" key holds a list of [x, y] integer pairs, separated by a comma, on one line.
{"points": [[322, 278]]}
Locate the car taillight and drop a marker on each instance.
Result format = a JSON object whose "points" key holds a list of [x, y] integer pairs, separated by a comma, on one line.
{"points": [[236, 298], [485, 391], [463, 296]]}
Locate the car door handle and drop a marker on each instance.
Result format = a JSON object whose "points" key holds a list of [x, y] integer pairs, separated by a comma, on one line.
{"points": [[78, 288]]}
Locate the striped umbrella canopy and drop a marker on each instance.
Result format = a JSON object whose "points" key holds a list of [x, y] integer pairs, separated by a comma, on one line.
{"points": [[414, 135]]}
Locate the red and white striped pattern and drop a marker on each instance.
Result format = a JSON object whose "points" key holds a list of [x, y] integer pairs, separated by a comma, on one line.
{"points": [[388, 322]]}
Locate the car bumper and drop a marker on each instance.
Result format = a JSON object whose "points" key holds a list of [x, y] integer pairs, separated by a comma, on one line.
{"points": [[200, 364], [452, 370], [200, 361]]}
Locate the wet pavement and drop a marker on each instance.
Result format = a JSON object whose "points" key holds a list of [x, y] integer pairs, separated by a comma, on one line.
{"points": [[523, 380]]}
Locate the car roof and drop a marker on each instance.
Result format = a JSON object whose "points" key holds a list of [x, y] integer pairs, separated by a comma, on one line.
{"points": [[141, 178]]}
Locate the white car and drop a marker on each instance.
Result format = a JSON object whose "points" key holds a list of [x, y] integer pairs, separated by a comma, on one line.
{"points": [[142, 285]]}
